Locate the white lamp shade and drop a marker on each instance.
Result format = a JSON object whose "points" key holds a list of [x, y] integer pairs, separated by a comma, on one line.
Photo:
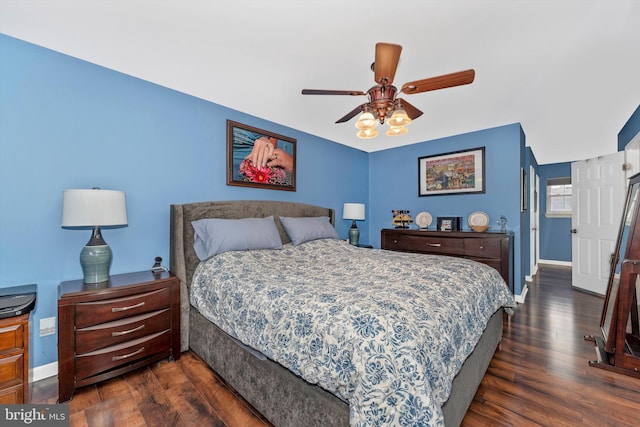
{"points": [[353, 211], [93, 208]]}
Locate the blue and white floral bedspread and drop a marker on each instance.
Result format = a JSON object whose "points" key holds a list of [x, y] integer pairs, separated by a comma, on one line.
{"points": [[385, 331]]}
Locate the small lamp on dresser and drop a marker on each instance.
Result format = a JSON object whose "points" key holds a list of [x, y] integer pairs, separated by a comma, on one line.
{"points": [[354, 212], [94, 208]]}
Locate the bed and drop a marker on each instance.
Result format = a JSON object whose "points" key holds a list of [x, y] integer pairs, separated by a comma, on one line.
{"points": [[383, 391]]}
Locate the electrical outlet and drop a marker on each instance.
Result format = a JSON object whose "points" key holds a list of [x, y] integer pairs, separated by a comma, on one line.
{"points": [[47, 326]]}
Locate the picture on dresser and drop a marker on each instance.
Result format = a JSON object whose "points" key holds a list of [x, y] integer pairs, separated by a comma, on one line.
{"points": [[258, 158], [458, 172]]}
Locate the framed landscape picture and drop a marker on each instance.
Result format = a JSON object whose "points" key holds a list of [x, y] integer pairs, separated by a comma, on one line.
{"points": [[458, 172], [259, 158]]}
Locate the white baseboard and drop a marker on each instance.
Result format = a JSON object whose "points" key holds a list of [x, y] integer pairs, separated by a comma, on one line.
{"points": [[45, 371], [523, 294], [554, 262]]}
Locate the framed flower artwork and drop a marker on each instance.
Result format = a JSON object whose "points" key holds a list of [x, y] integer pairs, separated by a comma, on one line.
{"points": [[258, 158]]}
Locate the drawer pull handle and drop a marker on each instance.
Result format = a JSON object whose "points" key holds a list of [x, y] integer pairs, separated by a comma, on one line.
{"points": [[116, 358], [434, 245], [117, 309], [117, 334], [481, 247]]}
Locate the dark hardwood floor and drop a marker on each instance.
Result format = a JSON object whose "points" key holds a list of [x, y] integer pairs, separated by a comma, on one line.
{"points": [[538, 377]]}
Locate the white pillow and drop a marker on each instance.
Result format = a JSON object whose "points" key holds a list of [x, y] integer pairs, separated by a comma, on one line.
{"points": [[216, 235], [304, 229]]}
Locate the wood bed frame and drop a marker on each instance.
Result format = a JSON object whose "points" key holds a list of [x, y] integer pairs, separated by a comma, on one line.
{"points": [[285, 399]]}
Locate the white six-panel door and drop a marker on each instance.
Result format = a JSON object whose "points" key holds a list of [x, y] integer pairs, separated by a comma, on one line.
{"points": [[598, 187]]}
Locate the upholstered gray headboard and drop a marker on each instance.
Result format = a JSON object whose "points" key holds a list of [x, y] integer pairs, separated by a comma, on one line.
{"points": [[183, 260]]}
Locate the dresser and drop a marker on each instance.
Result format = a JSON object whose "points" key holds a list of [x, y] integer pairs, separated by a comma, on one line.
{"points": [[105, 330], [14, 360], [492, 248]]}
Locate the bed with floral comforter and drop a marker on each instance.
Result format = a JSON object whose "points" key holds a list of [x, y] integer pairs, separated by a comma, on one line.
{"points": [[384, 331]]}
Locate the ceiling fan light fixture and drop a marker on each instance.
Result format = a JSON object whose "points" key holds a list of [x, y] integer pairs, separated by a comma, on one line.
{"points": [[367, 133], [366, 121], [399, 118], [397, 130]]}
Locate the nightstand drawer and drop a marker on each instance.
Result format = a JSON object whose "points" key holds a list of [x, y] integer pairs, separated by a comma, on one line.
{"points": [[93, 313], [482, 248], [11, 338], [111, 333], [98, 361], [12, 395], [11, 369]]}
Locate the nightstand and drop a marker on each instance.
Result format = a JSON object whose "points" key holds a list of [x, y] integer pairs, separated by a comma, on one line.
{"points": [[108, 329]]}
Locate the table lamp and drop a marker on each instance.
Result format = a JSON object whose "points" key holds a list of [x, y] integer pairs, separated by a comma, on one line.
{"points": [[354, 212], [94, 208]]}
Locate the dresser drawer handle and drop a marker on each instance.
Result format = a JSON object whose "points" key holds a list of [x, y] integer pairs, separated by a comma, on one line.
{"points": [[434, 245], [117, 334], [481, 247], [117, 309], [116, 358]]}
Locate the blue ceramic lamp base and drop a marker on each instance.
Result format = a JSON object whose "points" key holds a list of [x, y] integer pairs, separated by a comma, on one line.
{"points": [[354, 234], [95, 259]]}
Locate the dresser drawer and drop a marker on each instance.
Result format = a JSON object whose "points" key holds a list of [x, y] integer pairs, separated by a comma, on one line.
{"points": [[424, 244], [12, 395], [11, 338], [108, 358], [93, 313], [11, 369], [482, 248], [111, 333]]}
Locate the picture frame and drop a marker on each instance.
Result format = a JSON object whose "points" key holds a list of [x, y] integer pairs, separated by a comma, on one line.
{"points": [[248, 144], [448, 223], [523, 190], [457, 172]]}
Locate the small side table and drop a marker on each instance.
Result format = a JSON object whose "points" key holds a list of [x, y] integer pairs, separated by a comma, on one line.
{"points": [[108, 329]]}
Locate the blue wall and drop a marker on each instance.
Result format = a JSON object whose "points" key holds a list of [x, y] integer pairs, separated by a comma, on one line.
{"points": [[393, 184], [629, 130], [555, 236], [66, 123]]}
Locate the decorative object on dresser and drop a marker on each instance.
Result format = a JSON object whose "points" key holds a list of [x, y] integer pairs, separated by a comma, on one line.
{"points": [[423, 220], [479, 221], [94, 208], [258, 158], [449, 223], [491, 248], [401, 218], [458, 172], [354, 212], [16, 303], [109, 329]]}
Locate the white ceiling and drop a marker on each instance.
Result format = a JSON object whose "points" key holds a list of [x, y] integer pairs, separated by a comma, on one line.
{"points": [[567, 70]]}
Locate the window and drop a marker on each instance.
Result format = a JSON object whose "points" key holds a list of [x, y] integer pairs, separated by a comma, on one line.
{"points": [[559, 197]]}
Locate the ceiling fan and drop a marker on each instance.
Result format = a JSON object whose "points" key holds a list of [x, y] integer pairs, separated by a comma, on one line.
{"points": [[383, 102]]}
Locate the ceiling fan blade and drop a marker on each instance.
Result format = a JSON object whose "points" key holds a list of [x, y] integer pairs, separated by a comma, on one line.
{"points": [[352, 114], [386, 62], [331, 92], [439, 82], [411, 111]]}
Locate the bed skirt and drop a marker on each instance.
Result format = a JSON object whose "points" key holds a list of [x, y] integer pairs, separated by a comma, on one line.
{"points": [[286, 400]]}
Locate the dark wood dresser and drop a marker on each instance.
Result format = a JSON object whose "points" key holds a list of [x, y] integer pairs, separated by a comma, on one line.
{"points": [[14, 360], [491, 248], [109, 329]]}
